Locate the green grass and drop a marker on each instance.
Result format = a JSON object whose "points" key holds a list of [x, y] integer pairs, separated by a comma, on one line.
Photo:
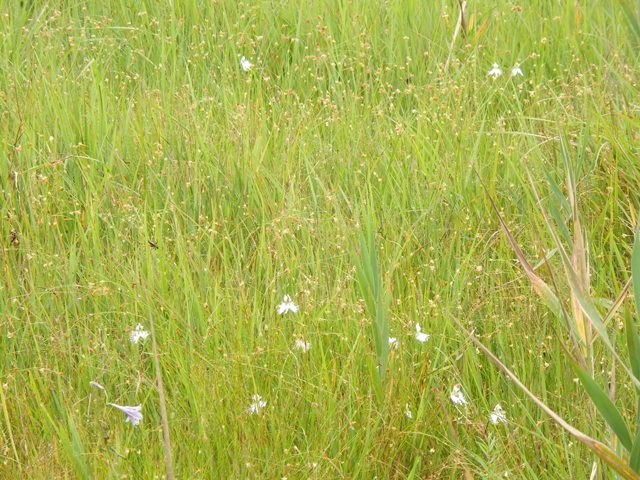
{"points": [[126, 122]]}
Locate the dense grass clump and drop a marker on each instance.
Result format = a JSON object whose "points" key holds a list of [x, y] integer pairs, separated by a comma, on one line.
{"points": [[147, 178]]}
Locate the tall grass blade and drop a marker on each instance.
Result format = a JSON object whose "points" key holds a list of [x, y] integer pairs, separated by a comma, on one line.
{"points": [[633, 19], [376, 299], [166, 439]]}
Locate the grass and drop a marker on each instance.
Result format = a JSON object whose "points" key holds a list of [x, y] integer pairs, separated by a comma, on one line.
{"points": [[127, 126]]}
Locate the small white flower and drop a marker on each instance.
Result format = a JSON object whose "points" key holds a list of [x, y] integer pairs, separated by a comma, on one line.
{"points": [[257, 405], [516, 70], [407, 412], [393, 343], [457, 397], [420, 336], [139, 333], [498, 415], [287, 305], [134, 415], [495, 71], [302, 345], [245, 64]]}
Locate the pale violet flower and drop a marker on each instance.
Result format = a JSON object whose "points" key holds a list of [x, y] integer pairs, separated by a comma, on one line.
{"points": [[393, 343], [407, 412], [302, 344], [420, 335], [257, 405], [516, 70], [139, 333], [457, 397], [498, 415], [287, 305], [495, 71], [134, 414], [245, 64]]}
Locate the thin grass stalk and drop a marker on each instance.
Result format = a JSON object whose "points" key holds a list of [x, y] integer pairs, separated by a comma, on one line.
{"points": [[163, 405]]}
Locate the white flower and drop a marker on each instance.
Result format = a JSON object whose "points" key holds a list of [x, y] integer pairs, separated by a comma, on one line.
{"points": [[393, 343], [134, 415], [457, 397], [287, 305], [516, 70], [407, 412], [498, 415], [302, 345], [495, 71], [245, 64], [257, 405], [421, 337], [139, 333]]}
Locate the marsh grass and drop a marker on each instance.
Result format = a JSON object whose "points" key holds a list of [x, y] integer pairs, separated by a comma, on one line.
{"points": [[144, 174]]}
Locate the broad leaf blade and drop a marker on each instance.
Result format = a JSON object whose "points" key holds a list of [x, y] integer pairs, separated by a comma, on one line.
{"points": [[635, 270], [634, 461], [605, 406], [633, 344]]}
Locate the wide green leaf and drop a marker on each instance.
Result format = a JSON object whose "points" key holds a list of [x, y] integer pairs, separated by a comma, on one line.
{"points": [[633, 344], [605, 406], [634, 461], [635, 270]]}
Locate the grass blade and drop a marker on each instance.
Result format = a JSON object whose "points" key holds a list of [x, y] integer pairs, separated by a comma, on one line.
{"points": [[370, 283], [633, 19], [166, 440]]}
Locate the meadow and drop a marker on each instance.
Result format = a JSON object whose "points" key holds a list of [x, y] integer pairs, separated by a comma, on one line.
{"points": [[183, 165]]}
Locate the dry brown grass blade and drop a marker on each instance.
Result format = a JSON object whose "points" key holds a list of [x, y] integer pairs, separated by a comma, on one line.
{"points": [[463, 17], [539, 285], [618, 301], [461, 25], [580, 263], [600, 449]]}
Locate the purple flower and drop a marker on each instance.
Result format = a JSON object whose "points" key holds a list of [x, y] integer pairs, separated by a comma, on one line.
{"points": [[134, 415]]}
